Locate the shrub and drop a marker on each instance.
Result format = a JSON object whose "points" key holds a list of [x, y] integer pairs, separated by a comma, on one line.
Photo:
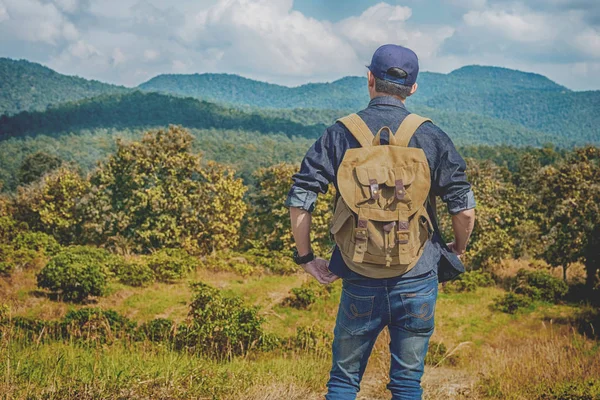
{"points": [[219, 326], [313, 338], [540, 285], [469, 282], [171, 264], [133, 272], [97, 325], [157, 330], [438, 353], [11, 258], [307, 294], [37, 241], [588, 390], [511, 303], [76, 273]]}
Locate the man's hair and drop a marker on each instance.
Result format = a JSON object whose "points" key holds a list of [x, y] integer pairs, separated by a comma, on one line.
{"points": [[394, 89]]}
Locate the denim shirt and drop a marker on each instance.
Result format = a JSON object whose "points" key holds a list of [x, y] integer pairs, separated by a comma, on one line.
{"points": [[448, 180]]}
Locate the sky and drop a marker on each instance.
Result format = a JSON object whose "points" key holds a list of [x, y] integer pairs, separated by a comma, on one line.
{"points": [[292, 42]]}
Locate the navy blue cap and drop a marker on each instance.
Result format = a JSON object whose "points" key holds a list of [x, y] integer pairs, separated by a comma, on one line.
{"points": [[391, 55]]}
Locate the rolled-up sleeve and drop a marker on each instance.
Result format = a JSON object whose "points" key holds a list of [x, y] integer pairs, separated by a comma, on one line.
{"points": [[315, 175]]}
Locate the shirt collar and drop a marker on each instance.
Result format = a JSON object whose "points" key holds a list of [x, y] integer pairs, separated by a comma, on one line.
{"points": [[386, 101]]}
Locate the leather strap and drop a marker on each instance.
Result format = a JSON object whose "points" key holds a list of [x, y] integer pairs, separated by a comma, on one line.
{"points": [[358, 129], [407, 129]]}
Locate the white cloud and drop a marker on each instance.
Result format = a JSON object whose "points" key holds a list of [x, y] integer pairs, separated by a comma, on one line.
{"points": [[512, 24], [588, 42], [151, 55], [128, 41], [384, 23], [3, 12]]}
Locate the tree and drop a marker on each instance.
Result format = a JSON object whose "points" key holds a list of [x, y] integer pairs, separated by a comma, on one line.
{"points": [[37, 165], [569, 196], [268, 220], [53, 204], [154, 193]]}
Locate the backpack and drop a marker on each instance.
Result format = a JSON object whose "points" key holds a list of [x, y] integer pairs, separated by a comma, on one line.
{"points": [[380, 221]]}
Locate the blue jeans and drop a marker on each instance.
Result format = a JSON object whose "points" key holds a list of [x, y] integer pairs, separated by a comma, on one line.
{"points": [[407, 308]]}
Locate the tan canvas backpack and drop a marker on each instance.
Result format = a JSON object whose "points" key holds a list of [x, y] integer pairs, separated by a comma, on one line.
{"points": [[380, 222]]}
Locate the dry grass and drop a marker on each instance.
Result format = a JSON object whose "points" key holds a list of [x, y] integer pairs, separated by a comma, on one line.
{"points": [[509, 268]]}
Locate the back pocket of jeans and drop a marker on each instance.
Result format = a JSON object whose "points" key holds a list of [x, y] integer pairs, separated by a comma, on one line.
{"points": [[355, 312], [420, 310]]}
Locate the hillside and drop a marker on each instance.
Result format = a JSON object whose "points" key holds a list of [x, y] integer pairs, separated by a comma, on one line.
{"points": [[526, 99], [27, 86], [139, 110]]}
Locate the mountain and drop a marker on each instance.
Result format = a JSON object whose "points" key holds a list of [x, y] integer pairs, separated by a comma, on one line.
{"points": [[519, 98], [27, 86], [140, 110]]}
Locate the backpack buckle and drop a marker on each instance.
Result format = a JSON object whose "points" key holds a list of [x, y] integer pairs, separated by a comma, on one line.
{"points": [[402, 234], [374, 189], [400, 190]]}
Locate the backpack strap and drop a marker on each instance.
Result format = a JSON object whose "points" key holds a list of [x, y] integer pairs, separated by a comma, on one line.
{"points": [[407, 129], [358, 129]]}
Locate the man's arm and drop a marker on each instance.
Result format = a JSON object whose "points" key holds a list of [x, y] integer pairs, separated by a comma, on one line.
{"points": [[317, 170], [301, 221], [462, 226]]}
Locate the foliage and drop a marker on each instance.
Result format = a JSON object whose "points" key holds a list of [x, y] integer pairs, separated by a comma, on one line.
{"points": [[569, 199], [12, 258], [512, 303], [219, 326], [253, 261], [313, 338], [27, 86], [169, 265], [37, 165], [97, 325], [540, 285], [133, 271], [154, 194], [52, 205], [469, 282], [76, 273], [157, 330], [268, 220], [437, 353], [37, 241], [307, 294]]}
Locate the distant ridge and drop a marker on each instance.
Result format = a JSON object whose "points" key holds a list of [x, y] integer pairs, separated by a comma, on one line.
{"points": [[520, 99], [27, 86]]}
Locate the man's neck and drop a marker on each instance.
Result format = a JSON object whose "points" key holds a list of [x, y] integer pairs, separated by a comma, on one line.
{"points": [[378, 94]]}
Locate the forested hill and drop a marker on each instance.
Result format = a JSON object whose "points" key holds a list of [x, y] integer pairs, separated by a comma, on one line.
{"points": [[526, 99], [139, 110], [27, 86]]}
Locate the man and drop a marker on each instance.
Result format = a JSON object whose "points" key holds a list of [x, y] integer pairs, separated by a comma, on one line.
{"points": [[404, 303]]}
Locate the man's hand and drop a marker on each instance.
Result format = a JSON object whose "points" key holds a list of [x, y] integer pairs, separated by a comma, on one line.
{"points": [[318, 269], [452, 246]]}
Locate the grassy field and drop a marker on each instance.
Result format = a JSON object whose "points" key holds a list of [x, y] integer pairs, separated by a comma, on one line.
{"points": [[476, 352]]}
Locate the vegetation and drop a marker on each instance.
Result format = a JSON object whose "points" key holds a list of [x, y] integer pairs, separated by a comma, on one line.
{"points": [[27, 86]]}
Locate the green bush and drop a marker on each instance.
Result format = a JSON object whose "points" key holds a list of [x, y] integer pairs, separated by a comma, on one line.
{"points": [[313, 338], [219, 326], [170, 265], [308, 293], [469, 282], [11, 258], [539, 285], [157, 330], [37, 241], [76, 273], [133, 272], [511, 303], [97, 325]]}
